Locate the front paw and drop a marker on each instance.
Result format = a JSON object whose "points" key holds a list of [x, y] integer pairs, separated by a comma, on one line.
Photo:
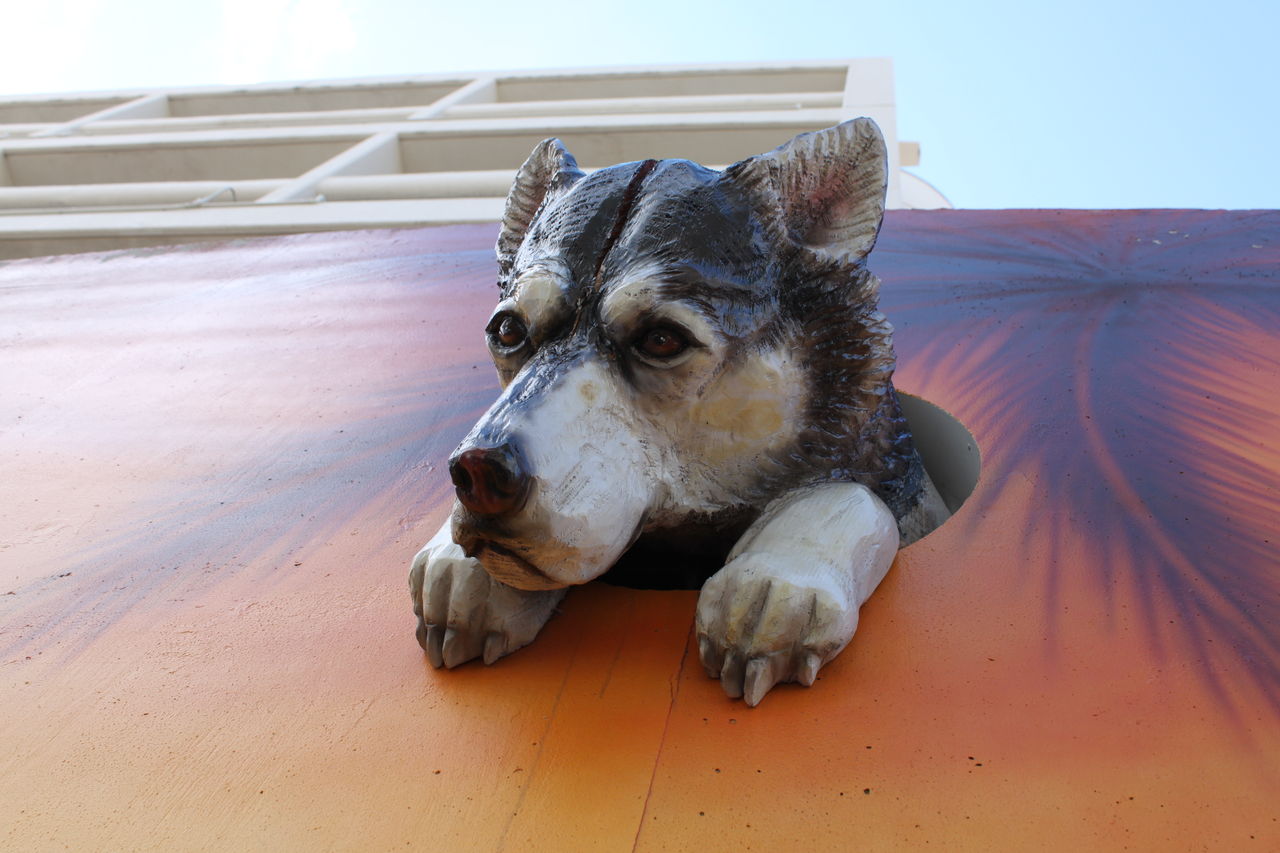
{"points": [[464, 614], [761, 622]]}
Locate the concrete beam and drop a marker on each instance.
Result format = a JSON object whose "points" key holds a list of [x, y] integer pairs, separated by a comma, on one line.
{"points": [[146, 107], [482, 90], [377, 155]]}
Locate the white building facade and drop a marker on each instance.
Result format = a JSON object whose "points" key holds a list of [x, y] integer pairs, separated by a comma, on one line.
{"points": [[97, 171]]}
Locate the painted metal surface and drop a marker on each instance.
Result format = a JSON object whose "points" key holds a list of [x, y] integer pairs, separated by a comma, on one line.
{"points": [[218, 461]]}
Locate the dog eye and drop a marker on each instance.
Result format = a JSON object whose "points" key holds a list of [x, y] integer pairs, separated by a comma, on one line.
{"points": [[507, 332], [662, 343]]}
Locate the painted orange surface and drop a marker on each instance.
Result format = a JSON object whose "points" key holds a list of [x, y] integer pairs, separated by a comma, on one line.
{"points": [[218, 460]]}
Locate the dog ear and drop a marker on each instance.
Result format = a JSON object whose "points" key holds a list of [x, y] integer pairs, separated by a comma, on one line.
{"points": [[823, 191], [549, 170]]}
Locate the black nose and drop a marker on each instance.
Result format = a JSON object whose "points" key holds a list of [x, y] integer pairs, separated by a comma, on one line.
{"points": [[490, 480]]}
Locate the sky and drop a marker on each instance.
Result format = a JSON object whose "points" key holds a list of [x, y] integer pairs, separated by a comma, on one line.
{"points": [[1085, 104]]}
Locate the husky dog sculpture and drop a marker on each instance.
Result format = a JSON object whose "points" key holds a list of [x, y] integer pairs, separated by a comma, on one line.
{"points": [[690, 356]]}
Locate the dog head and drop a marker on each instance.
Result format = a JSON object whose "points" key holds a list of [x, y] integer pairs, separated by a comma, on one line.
{"points": [[662, 332]]}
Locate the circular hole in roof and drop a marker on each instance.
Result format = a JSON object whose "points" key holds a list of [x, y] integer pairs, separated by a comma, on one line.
{"points": [[946, 448]]}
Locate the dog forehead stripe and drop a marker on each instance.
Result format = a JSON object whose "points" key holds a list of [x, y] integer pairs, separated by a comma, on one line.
{"points": [[629, 197]]}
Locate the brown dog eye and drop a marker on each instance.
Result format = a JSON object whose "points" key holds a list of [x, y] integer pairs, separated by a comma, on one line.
{"points": [[661, 343], [508, 333]]}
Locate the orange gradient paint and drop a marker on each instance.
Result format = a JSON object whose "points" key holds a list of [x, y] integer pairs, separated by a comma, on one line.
{"points": [[219, 460]]}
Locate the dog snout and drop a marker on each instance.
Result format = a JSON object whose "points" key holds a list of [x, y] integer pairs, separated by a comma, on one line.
{"points": [[490, 481]]}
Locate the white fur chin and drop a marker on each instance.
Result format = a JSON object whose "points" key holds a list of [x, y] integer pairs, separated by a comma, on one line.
{"points": [[513, 571]]}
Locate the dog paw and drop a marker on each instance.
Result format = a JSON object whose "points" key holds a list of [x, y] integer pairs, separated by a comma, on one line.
{"points": [[759, 624], [464, 614]]}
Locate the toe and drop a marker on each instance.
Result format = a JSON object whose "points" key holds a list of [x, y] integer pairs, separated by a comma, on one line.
{"points": [[453, 649], [435, 640], [710, 657]]}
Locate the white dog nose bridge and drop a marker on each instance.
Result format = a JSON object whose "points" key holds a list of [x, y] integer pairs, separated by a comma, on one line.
{"points": [[529, 389], [492, 454]]}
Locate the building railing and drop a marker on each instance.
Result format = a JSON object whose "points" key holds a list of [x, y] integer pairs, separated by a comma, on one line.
{"points": [[89, 171]]}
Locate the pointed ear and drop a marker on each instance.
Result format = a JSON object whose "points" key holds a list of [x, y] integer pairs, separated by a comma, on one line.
{"points": [[823, 191], [549, 170]]}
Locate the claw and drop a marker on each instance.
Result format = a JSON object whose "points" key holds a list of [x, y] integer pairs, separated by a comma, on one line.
{"points": [[731, 675], [494, 648], [452, 649], [710, 660], [762, 675], [416, 573], [435, 637], [421, 631], [809, 669]]}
